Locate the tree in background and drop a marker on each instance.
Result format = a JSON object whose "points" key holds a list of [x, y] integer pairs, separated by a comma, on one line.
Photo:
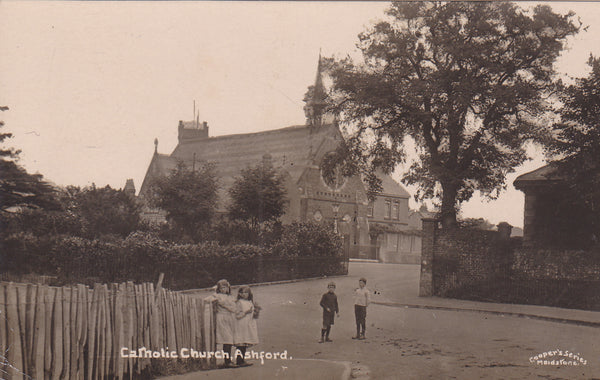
{"points": [[466, 81], [476, 223], [20, 190], [189, 197], [105, 210], [88, 212], [258, 195], [577, 143]]}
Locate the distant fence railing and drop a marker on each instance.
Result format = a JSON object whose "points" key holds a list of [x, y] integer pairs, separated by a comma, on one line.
{"points": [[81, 333]]}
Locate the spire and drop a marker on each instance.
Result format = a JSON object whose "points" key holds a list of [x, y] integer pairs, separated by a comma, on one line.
{"points": [[316, 98], [320, 94]]}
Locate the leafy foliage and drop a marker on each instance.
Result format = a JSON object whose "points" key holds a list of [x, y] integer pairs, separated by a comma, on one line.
{"points": [[19, 189], [189, 198], [476, 223], [306, 239], [142, 256], [227, 232], [89, 212], [258, 195], [105, 210], [578, 143], [464, 80]]}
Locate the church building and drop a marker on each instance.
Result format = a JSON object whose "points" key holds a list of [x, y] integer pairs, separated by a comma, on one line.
{"points": [[297, 152]]}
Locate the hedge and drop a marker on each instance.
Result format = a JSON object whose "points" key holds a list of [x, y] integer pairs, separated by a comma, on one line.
{"points": [[142, 256]]}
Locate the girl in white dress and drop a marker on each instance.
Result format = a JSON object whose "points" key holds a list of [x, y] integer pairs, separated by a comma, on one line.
{"points": [[226, 309], [246, 332]]}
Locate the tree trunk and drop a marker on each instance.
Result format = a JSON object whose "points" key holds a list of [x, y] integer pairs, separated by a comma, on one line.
{"points": [[448, 212]]}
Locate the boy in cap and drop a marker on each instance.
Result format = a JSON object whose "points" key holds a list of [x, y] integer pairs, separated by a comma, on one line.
{"points": [[330, 306]]}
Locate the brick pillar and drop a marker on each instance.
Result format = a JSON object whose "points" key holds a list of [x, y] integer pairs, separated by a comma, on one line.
{"points": [[504, 256], [504, 230], [427, 246]]}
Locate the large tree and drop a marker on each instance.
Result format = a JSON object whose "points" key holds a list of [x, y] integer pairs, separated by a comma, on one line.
{"points": [[18, 189], [577, 146], [466, 81], [189, 197], [258, 195]]}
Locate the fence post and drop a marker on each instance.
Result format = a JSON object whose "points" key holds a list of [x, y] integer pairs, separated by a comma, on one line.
{"points": [[427, 256]]}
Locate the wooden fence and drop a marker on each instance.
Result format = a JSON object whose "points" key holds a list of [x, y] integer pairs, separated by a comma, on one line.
{"points": [[79, 333]]}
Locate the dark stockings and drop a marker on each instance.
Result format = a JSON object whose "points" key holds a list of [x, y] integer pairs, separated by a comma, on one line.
{"points": [[227, 349], [240, 355]]}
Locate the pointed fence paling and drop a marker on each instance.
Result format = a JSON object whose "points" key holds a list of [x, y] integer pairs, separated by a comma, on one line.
{"points": [[75, 332]]}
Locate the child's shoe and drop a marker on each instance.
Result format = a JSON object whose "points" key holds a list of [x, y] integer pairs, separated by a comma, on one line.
{"points": [[321, 340], [328, 340]]}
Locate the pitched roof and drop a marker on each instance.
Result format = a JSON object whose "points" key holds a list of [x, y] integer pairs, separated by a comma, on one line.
{"points": [[291, 151], [391, 187], [161, 164], [544, 175]]}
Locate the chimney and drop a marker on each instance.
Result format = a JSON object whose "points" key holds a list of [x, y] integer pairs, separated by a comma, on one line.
{"points": [[191, 130]]}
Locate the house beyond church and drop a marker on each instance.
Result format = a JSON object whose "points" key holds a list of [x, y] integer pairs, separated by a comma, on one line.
{"points": [[297, 152]]}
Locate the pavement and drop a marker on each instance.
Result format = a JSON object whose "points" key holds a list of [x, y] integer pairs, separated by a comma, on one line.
{"points": [[500, 350], [272, 369]]}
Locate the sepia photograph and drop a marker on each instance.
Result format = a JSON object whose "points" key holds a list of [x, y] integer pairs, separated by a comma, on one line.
{"points": [[299, 190]]}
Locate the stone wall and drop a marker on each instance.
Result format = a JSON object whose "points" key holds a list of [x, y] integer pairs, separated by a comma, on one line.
{"points": [[459, 258], [556, 264], [490, 266]]}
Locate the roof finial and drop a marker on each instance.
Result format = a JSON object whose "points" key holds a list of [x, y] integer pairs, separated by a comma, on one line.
{"points": [[155, 145]]}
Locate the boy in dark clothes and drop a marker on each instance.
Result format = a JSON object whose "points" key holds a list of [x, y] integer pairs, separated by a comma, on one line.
{"points": [[330, 306]]}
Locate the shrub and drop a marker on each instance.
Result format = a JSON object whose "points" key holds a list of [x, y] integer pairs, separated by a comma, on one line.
{"points": [[305, 250], [306, 239]]}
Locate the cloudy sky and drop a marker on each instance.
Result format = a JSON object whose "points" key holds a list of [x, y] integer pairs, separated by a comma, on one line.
{"points": [[91, 84]]}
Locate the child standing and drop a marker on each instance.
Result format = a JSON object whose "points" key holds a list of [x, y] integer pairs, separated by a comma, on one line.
{"points": [[361, 301], [246, 332], [225, 320], [330, 306]]}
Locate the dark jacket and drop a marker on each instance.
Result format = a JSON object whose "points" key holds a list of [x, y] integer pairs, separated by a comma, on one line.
{"points": [[329, 300]]}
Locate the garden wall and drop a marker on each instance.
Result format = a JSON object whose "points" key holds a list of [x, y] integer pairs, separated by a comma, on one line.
{"points": [[489, 266]]}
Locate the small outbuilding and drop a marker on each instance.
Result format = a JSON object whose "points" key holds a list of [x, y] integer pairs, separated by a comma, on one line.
{"points": [[552, 218]]}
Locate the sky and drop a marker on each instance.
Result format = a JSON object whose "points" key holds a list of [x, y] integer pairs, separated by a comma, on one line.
{"points": [[90, 85]]}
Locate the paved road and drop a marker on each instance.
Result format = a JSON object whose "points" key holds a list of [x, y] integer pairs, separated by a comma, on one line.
{"points": [[413, 343]]}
